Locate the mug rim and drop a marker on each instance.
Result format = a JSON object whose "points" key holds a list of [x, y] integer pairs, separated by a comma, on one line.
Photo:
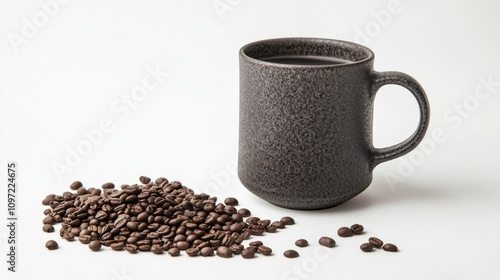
{"points": [[347, 45]]}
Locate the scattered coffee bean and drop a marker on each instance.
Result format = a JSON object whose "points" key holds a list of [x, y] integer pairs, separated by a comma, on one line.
{"points": [[248, 253], [327, 242], [144, 179], [118, 246], [192, 252], [252, 248], [131, 248], [357, 228], [291, 254], [206, 252], [287, 221], [344, 232], [377, 243], [264, 250], [48, 228], [366, 247], [95, 245], [51, 245], [390, 247], [244, 212], [174, 252], [182, 245], [224, 252], [108, 186], [231, 201], [49, 220], [85, 239], [69, 236], [301, 243], [236, 248], [76, 185], [256, 243]]}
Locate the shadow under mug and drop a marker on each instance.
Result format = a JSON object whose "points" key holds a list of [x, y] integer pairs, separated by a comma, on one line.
{"points": [[305, 131]]}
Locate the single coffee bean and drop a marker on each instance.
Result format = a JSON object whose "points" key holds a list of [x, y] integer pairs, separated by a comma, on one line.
{"points": [[95, 245], [206, 252], [377, 243], [236, 248], [47, 211], [193, 252], [301, 243], [118, 246], [231, 201], [76, 185], [279, 224], [51, 245], [287, 221], [357, 228], [131, 248], [248, 253], [85, 239], [244, 212], [264, 250], [291, 254], [327, 242], [48, 228], [252, 248], [390, 247], [344, 232], [156, 249], [69, 236], [49, 220], [224, 252], [271, 229], [182, 245], [174, 252], [108, 186], [144, 179], [366, 247], [256, 243]]}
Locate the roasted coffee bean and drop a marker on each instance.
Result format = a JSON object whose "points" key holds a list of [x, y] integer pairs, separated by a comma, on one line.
{"points": [[131, 248], [48, 228], [144, 179], [357, 228], [47, 211], [81, 191], [95, 245], [252, 248], [256, 243], [69, 236], [76, 185], [118, 246], [390, 247], [192, 252], [51, 245], [301, 243], [287, 221], [271, 229], [366, 247], [327, 242], [108, 186], [344, 232], [264, 250], [182, 245], [236, 248], [85, 239], [174, 252], [291, 254], [247, 253], [49, 220], [156, 249], [376, 242], [244, 212], [224, 252], [144, 248], [206, 252], [279, 224], [231, 201]]}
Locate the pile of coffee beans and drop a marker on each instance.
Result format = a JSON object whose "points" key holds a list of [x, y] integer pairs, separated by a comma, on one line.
{"points": [[157, 217]]}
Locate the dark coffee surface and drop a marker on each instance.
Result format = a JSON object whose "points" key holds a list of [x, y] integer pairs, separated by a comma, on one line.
{"points": [[305, 60]]}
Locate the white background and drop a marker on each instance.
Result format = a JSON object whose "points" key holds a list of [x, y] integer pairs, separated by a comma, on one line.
{"points": [[73, 69]]}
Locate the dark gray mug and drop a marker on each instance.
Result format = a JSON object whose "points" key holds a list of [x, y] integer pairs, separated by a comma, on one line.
{"points": [[305, 139]]}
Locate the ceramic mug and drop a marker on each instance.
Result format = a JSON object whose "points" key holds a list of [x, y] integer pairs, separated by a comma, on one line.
{"points": [[305, 134]]}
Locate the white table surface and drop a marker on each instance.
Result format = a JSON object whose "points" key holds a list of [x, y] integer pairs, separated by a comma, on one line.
{"points": [[72, 67]]}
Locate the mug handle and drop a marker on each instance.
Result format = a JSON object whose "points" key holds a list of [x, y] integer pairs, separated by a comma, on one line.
{"points": [[379, 155]]}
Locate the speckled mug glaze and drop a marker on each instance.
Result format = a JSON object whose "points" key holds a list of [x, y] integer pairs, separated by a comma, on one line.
{"points": [[305, 139]]}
